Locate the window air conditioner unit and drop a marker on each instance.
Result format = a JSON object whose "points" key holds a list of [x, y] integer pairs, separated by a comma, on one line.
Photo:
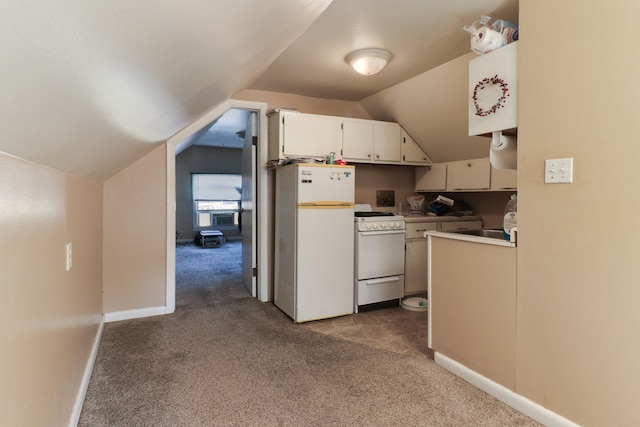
{"points": [[224, 219]]}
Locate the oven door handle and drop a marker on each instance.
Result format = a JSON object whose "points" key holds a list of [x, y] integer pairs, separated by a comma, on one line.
{"points": [[375, 233], [383, 280]]}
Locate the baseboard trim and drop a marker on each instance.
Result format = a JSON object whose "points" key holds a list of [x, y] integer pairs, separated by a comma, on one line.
{"points": [[137, 313], [86, 377], [516, 401]]}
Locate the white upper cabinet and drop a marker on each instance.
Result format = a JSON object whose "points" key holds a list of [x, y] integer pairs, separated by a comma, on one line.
{"points": [[299, 135], [504, 179], [303, 135], [465, 175], [432, 178], [357, 140], [387, 142], [493, 91], [412, 153], [371, 141], [469, 175]]}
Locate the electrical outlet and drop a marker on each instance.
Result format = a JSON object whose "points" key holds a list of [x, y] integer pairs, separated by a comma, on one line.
{"points": [[69, 256], [558, 171]]}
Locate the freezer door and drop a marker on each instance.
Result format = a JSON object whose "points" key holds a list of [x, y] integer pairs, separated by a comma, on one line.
{"points": [[326, 183]]}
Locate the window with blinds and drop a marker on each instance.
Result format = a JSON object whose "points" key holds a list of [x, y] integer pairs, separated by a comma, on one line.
{"points": [[216, 200]]}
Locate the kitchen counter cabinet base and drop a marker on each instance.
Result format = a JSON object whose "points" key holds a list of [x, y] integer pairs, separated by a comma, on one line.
{"points": [[472, 309]]}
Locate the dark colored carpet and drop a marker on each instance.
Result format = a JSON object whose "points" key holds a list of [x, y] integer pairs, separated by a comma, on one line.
{"points": [[225, 359]]}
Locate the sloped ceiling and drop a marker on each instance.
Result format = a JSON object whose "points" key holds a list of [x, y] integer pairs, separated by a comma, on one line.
{"points": [[88, 87]]}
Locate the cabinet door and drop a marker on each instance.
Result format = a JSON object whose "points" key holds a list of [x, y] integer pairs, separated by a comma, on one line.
{"points": [[493, 91], [504, 179], [469, 175], [415, 230], [310, 135], [415, 266], [387, 145], [411, 152], [357, 140], [432, 178]]}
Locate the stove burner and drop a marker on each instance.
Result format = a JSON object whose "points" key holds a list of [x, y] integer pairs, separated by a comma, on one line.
{"points": [[371, 214]]}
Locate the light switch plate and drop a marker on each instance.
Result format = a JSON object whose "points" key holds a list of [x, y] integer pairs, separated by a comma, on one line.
{"points": [[557, 171]]}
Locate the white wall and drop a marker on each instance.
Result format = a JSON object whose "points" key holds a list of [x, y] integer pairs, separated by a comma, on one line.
{"points": [[578, 278], [50, 317], [135, 239]]}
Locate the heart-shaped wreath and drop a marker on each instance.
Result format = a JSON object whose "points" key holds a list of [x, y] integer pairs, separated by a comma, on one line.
{"points": [[487, 83]]}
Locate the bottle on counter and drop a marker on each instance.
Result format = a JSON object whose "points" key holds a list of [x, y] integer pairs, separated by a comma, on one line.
{"points": [[510, 216]]}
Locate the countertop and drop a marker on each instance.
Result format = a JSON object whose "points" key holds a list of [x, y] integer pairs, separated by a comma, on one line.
{"points": [[433, 218], [470, 238]]}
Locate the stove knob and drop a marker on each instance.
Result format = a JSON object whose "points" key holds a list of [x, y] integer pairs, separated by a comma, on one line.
{"points": [[368, 226], [397, 225], [382, 225], [375, 226]]}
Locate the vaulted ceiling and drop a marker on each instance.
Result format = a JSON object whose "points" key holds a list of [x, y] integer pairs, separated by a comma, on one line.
{"points": [[89, 87]]}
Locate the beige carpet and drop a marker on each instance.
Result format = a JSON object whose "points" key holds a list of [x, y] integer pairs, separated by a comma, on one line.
{"points": [[225, 359]]}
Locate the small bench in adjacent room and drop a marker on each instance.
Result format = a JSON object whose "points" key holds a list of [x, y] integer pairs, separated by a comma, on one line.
{"points": [[211, 238]]}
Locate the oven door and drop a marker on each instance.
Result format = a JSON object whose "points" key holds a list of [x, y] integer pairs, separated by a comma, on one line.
{"points": [[379, 254]]}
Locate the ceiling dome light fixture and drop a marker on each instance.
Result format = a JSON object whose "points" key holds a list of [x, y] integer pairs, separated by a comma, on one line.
{"points": [[368, 61]]}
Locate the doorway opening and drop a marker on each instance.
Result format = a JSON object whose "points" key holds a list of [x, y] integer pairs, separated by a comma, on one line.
{"points": [[209, 255], [262, 190], [216, 182]]}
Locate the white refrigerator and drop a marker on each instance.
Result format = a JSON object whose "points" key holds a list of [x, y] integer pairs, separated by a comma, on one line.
{"points": [[314, 244]]}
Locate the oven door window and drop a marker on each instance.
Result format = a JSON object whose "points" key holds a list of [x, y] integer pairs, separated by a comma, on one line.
{"points": [[379, 254]]}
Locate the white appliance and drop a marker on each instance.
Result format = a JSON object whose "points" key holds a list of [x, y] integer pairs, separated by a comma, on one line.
{"points": [[379, 258], [314, 244]]}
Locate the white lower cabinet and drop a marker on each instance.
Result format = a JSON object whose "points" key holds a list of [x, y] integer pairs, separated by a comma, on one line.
{"points": [[416, 255]]}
